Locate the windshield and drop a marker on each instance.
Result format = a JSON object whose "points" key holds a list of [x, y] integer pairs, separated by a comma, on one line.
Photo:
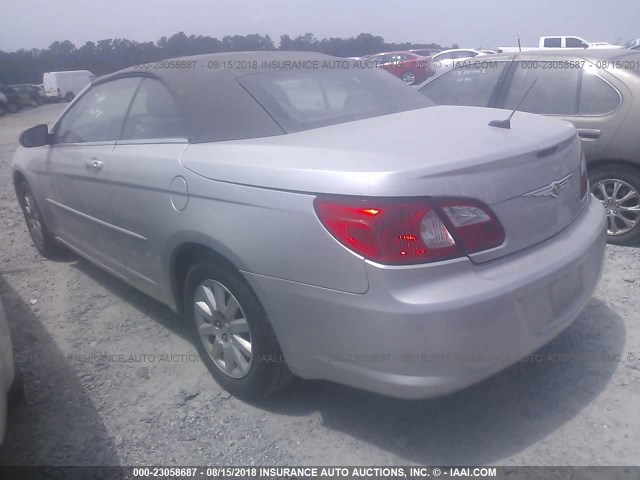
{"points": [[303, 100]]}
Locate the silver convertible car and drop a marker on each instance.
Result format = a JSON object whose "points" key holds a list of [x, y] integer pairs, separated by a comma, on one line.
{"points": [[311, 216]]}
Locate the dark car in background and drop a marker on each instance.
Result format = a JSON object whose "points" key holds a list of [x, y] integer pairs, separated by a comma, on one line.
{"points": [[411, 68], [596, 90], [14, 101], [29, 93], [24, 97], [4, 108]]}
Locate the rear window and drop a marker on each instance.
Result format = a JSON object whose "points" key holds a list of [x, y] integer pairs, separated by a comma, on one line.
{"points": [[302, 100]]}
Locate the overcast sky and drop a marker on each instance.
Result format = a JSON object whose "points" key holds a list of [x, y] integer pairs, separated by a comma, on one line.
{"points": [[470, 23]]}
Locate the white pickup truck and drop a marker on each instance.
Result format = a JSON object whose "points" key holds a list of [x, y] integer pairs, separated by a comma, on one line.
{"points": [[559, 42]]}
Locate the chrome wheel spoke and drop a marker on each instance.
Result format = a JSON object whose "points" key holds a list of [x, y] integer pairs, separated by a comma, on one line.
{"points": [[635, 210], [204, 308], [218, 294], [208, 330], [630, 194], [603, 191], [229, 360], [209, 297], [239, 326], [616, 188], [242, 344], [231, 309], [626, 221], [240, 360]]}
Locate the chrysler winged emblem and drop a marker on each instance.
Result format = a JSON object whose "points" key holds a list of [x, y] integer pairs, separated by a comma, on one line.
{"points": [[551, 190]]}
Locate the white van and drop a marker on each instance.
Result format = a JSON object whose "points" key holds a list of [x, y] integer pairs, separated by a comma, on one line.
{"points": [[66, 85]]}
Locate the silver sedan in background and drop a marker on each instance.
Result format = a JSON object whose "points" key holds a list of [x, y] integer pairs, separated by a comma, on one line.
{"points": [[324, 221]]}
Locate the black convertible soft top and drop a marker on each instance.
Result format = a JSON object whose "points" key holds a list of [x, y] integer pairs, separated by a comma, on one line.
{"points": [[214, 104]]}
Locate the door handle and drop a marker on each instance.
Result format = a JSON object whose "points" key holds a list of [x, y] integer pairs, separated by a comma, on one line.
{"points": [[94, 164], [591, 133]]}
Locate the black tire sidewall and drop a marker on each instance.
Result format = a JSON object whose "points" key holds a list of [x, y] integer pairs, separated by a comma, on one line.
{"points": [[49, 244], [265, 350], [630, 175]]}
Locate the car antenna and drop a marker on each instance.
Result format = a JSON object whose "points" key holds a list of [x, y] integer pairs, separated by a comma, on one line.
{"points": [[506, 123]]}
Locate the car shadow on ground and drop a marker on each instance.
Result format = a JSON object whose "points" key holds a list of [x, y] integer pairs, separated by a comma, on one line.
{"points": [[480, 425], [43, 429], [487, 422]]}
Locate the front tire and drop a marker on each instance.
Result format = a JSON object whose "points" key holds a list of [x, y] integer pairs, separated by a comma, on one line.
{"points": [[618, 188], [41, 236], [232, 332], [69, 96], [13, 107]]}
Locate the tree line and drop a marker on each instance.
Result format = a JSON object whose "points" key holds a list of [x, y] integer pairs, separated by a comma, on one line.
{"points": [[110, 55]]}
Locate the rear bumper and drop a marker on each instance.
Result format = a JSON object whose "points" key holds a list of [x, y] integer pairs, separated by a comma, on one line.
{"points": [[426, 331]]}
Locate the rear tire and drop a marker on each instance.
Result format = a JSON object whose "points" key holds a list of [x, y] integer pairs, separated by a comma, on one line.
{"points": [[218, 327], [618, 188], [13, 107], [40, 101], [41, 236]]}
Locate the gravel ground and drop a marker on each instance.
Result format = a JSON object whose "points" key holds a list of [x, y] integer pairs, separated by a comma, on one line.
{"points": [[111, 378]]}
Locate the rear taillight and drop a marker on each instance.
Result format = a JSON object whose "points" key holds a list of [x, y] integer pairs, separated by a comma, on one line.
{"points": [[584, 180], [409, 231], [474, 225]]}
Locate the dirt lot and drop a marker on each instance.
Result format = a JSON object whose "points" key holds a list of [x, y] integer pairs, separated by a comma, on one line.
{"points": [[112, 379]]}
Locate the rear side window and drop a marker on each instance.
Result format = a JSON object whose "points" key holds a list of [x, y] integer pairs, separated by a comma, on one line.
{"points": [[99, 114], [153, 114], [552, 42], [555, 92], [446, 56], [472, 86], [597, 97]]}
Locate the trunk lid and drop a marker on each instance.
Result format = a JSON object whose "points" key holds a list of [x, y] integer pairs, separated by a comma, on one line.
{"points": [[438, 151]]}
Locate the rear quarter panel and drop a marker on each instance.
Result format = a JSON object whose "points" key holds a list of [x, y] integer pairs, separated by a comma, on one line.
{"points": [[266, 232]]}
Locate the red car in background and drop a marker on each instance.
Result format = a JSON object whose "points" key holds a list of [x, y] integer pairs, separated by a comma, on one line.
{"points": [[411, 68]]}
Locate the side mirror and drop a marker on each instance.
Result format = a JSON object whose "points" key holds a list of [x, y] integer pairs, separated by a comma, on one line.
{"points": [[35, 136]]}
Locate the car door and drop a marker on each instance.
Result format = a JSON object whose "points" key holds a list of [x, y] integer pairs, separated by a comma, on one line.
{"points": [[83, 141], [575, 91], [148, 192]]}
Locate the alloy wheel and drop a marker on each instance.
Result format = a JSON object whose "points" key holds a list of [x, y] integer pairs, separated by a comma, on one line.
{"points": [[621, 202], [223, 328], [33, 221], [409, 78]]}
